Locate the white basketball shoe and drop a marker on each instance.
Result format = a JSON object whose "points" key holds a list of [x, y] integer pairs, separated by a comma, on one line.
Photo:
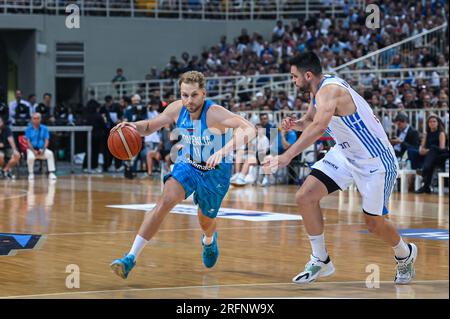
{"points": [[405, 271], [314, 269]]}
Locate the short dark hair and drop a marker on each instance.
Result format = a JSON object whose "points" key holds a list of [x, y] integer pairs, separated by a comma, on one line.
{"points": [[47, 94], [108, 98], [307, 61], [262, 114], [401, 117], [31, 95]]}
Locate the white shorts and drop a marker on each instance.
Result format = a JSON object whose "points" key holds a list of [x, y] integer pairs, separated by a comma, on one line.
{"points": [[373, 177]]}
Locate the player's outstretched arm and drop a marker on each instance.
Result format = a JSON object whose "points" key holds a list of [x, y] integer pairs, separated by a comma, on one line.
{"points": [[326, 101], [147, 127], [292, 123], [243, 131], [326, 109]]}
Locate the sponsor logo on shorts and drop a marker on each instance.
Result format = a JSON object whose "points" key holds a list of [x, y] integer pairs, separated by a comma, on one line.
{"points": [[331, 164]]}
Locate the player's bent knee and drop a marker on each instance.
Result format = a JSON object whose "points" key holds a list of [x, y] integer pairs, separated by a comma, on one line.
{"points": [[169, 201], [305, 198]]}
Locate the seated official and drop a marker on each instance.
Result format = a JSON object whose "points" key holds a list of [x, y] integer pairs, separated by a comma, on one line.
{"points": [[38, 137]]}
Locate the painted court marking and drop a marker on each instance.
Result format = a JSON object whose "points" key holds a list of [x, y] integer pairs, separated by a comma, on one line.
{"points": [[227, 213], [212, 286]]}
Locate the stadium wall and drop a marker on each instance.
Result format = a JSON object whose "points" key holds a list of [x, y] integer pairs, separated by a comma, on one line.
{"points": [[133, 44]]}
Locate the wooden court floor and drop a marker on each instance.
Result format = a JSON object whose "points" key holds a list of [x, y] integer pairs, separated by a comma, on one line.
{"points": [[257, 258]]}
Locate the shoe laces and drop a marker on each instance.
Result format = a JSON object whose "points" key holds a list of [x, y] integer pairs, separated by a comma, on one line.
{"points": [[403, 268], [312, 262], [209, 249]]}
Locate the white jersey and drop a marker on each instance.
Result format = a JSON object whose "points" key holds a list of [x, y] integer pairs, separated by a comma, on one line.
{"points": [[358, 136], [362, 154]]}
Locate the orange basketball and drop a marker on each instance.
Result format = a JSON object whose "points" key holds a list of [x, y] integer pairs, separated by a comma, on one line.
{"points": [[124, 143]]}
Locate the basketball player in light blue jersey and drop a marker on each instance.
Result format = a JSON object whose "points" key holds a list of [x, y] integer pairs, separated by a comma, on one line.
{"points": [[362, 155], [203, 166]]}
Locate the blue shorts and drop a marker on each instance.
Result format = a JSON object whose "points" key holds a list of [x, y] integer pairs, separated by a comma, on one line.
{"points": [[209, 187]]}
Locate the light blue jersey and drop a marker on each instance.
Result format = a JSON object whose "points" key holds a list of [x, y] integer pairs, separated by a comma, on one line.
{"points": [[209, 185]]}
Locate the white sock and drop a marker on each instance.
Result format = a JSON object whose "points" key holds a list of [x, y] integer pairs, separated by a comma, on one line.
{"points": [[402, 250], [318, 247], [138, 245], [208, 240]]}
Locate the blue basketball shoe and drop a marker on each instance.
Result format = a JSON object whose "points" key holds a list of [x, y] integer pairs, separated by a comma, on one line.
{"points": [[123, 266], [210, 252]]}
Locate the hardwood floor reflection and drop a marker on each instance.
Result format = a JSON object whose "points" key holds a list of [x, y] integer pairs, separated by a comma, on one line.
{"points": [[257, 258]]}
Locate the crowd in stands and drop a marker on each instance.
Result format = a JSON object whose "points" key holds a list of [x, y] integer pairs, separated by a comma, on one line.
{"points": [[336, 41]]}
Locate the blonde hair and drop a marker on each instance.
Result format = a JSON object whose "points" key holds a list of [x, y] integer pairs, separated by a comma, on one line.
{"points": [[193, 77]]}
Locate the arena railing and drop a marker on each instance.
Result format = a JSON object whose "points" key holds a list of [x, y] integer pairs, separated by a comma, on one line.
{"points": [[226, 87], [417, 117], [182, 9], [435, 39], [217, 87], [364, 77]]}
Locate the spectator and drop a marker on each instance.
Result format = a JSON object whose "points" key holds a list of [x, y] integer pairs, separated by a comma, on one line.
{"points": [[112, 115], [257, 151], [117, 80], [409, 100], [124, 104], [162, 152], [426, 101], [153, 75], [278, 31], [45, 108], [434, 150], [62, 115], [22, 116], [38, 138], [8, 149], [32, 102], [244, 37], [406, 140], [137, 112], [15, 104], [93, 118], [4, 111], [390, 101], [264, 120]]}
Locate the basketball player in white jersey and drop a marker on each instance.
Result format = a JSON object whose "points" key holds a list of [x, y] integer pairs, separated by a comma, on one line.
{"points": [[362, 155]]}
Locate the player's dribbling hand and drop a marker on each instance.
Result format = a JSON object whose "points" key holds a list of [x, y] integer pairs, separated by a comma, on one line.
{"points": [[214, 159], [289, 123], [275, 162], [123, 124]]}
